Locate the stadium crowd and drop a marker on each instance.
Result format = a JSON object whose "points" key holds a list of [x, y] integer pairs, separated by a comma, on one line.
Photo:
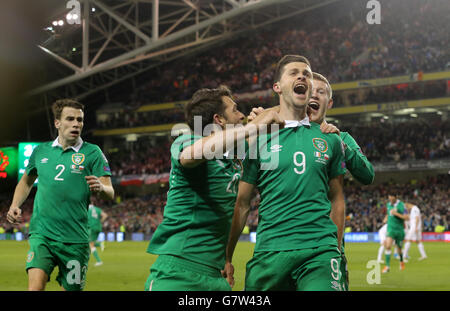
{"points": [[343, 47], [380, 142], [412, 140], [365, 208], [143, 158], [365, 96]]}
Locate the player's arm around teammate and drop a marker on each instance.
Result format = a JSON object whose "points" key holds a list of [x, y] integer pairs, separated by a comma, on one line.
{"points": [[215, 145]]}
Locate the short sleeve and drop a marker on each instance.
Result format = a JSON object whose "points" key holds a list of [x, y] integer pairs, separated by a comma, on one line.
{"points": [[337, 164], [31, 168], [100, 165], [178, 146]]}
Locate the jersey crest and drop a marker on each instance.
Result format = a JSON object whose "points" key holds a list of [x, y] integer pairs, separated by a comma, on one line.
{"points": [[78, 158], [320, 144]]}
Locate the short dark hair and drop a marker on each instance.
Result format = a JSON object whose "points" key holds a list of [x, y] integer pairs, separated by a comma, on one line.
{"points": [[286, 59], [58, 106], [205, 103]]}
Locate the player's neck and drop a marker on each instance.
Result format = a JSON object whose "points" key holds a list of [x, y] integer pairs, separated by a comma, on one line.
{"points": [[289, 112], [66, 143]]}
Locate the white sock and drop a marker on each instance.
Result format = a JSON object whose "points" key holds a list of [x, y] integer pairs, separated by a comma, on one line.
{"points": [[421, 249], [380, 252], [406, 249]]}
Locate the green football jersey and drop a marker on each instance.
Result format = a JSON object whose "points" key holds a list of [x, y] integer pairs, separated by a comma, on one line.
{"points": [[199, 209], [394, 223], [63, 195], [356, 162], [291, 170], [94, 218]]}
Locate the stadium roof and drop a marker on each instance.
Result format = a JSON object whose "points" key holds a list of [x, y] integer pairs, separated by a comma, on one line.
{"points": [[117, 40]]}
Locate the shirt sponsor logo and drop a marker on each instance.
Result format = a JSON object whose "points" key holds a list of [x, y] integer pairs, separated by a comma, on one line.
{"points": [[78, 158], [106, 168], [276, 148], [320, 144], [44, 160]]}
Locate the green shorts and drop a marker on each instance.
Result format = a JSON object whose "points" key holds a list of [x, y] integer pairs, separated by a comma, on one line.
{"points": [[71, 258], [314, 269], [171, 273], [397, 236], [93, 235], [344, 273]]}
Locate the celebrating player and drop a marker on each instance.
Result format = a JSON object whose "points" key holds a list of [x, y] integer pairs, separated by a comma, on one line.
{"points": [[297, 246], [395, 230], [355, 161], [69, 171], [414, 233], [96, 218], [192, 237]]}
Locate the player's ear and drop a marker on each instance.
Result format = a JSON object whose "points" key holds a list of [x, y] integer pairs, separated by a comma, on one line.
{"points": [[218, 119], [57, 123], [276, 87], [330, 104]]}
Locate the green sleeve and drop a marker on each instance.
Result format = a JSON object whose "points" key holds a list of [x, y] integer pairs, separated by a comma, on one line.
{"points": [[179, 144], [31, 167], [356, 162], [250, 171], [337, 166], [100, 166]]}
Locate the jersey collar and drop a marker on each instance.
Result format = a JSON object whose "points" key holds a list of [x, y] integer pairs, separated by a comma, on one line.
{"points": [[296, 123], [75, 147]]}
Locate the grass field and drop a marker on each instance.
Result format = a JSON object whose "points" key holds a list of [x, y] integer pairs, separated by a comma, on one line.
{"points": [[126, 268]]}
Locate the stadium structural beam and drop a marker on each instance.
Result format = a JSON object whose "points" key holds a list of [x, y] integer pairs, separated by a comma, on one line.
{"points": [[122, 21], [155, 20], [60, 60], [85, 56], [152, 44]]}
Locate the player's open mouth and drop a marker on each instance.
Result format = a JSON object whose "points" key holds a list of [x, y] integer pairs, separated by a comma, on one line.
{"points": [[75, 132], [300, 89], [314, 106]]}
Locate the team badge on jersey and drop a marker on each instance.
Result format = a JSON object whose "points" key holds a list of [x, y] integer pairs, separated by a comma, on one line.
{"points": [[320, 144], [30, 256], [78, 158]]}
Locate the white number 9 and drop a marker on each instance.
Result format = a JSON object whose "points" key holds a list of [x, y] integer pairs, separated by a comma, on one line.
{"points": [[335, 268], [301, 165]]}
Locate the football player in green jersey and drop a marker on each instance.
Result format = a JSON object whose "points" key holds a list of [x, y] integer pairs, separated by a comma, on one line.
{"points": [[355, 161], [69, 171], [298, 243], [96, 217], [395, 218], [203, 180]]}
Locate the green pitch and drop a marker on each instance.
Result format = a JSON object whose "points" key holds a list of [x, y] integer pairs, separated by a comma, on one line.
{"points": [[126, 267]]}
